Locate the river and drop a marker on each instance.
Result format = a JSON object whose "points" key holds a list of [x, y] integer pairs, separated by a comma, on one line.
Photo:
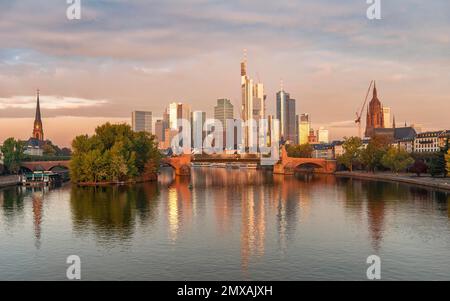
{"points": [[223, 224]]}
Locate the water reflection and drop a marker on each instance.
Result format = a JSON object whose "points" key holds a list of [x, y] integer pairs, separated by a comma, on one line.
{"points": [[112, 212], [260, 213]]}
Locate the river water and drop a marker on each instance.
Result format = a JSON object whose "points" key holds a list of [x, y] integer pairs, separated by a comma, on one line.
{"points": [[223, 224]]}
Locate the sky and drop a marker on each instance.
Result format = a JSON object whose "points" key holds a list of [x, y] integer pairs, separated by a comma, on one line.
{"points": [[141, 55]]}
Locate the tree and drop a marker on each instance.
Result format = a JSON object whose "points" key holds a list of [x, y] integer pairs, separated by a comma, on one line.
{"points": [[300, 150], [419, 167], [375, 150], [447, 157], [438, 164], [49, 150], [113, 154], [352, 149], [12, 155], [396, 159]]}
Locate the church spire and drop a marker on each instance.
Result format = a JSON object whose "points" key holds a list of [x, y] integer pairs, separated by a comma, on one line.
{"points": [[38, 132], [393, 122], [38, 108], [374, 89]]}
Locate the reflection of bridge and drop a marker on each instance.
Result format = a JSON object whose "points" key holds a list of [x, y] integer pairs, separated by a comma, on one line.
{"points": [[45, 165], [286, 165]]}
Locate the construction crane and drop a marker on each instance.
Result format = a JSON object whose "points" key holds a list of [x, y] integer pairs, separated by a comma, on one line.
{"points": [[359, 115]]}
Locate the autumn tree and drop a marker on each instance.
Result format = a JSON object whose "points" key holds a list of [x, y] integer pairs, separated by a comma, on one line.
{"points": [[396, 159], [352, 149]]}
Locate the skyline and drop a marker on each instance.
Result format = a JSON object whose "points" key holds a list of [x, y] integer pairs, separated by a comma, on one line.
{"points": [[103, 64]]}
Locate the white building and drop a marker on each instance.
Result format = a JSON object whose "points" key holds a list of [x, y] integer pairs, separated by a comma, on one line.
{"points": [[427, 142], [323, 135], [387, 117]]}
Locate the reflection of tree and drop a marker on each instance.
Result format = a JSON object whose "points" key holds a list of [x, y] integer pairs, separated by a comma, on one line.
{"points": [[112, 210], [12, 202]]}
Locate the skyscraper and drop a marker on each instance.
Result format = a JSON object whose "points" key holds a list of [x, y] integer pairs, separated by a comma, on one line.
{"points": [[287, 117], [198, 134], [253, 106], [322, 135], [159, 130], [178, 111], [223, 111], [304, 128], [38, 131], [375, 116], [141, 121]]}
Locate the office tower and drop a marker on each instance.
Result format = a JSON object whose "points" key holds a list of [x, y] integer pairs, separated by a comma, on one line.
{"points": [[159, 130], [224, 111], [375, 116], [387, 117], [253, 106], [286, 115], [178, 111], [322, 135], [38, 131], [198, 134], [304, 128], [141, 121], [273, 133]]}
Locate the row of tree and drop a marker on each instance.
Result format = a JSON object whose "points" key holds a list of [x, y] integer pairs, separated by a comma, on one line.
{"points": [[12, 152], [380, 154], [113, 154]]}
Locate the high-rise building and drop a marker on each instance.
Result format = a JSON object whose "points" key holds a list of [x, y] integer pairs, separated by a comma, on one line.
{"points": [[159, 130], [38, 131], [287, 117], [224, 111], [304, 127], [322, 135], [375, 116], [198, 133], [253, 106], [178, 111], [387, 117], [141, 121]]}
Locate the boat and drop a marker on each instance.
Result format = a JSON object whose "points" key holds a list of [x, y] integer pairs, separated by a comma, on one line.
{"points": [[40, 178]]}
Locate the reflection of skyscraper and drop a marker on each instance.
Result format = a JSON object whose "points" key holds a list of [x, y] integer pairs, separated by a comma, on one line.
{"points": [[286, 114]]}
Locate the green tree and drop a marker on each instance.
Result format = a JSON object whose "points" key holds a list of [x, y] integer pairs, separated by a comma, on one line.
{"points": [[396, 159], [299, 150], [438, 164], [12, 155], [352, 149], [447, 157], [375, 150], [114, 153]]}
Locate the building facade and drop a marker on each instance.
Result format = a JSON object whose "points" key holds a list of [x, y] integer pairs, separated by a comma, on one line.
{"points": [[304, 127], [375, 115], [141, 121], [287, 117]]}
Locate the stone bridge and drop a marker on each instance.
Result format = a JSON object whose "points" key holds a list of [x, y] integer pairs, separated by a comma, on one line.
{"points": [[181, 164], [44, 165], [287, 165]]}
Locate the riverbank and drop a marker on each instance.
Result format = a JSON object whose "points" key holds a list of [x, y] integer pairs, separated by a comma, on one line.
{"points": [[9, 180], [425, 180]]}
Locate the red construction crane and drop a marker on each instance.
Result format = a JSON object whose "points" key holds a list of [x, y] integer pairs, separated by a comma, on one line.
{"points": [[359, 115]]}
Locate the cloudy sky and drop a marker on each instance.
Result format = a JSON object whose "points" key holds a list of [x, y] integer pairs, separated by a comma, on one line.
{"points": [[128, 55]]}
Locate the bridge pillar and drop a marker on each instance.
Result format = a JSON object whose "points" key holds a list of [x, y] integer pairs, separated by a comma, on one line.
{"points": [[183, 170]]}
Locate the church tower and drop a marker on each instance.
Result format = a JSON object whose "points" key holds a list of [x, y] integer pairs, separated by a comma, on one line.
{"points": [[38, 131], [375, 116]]}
